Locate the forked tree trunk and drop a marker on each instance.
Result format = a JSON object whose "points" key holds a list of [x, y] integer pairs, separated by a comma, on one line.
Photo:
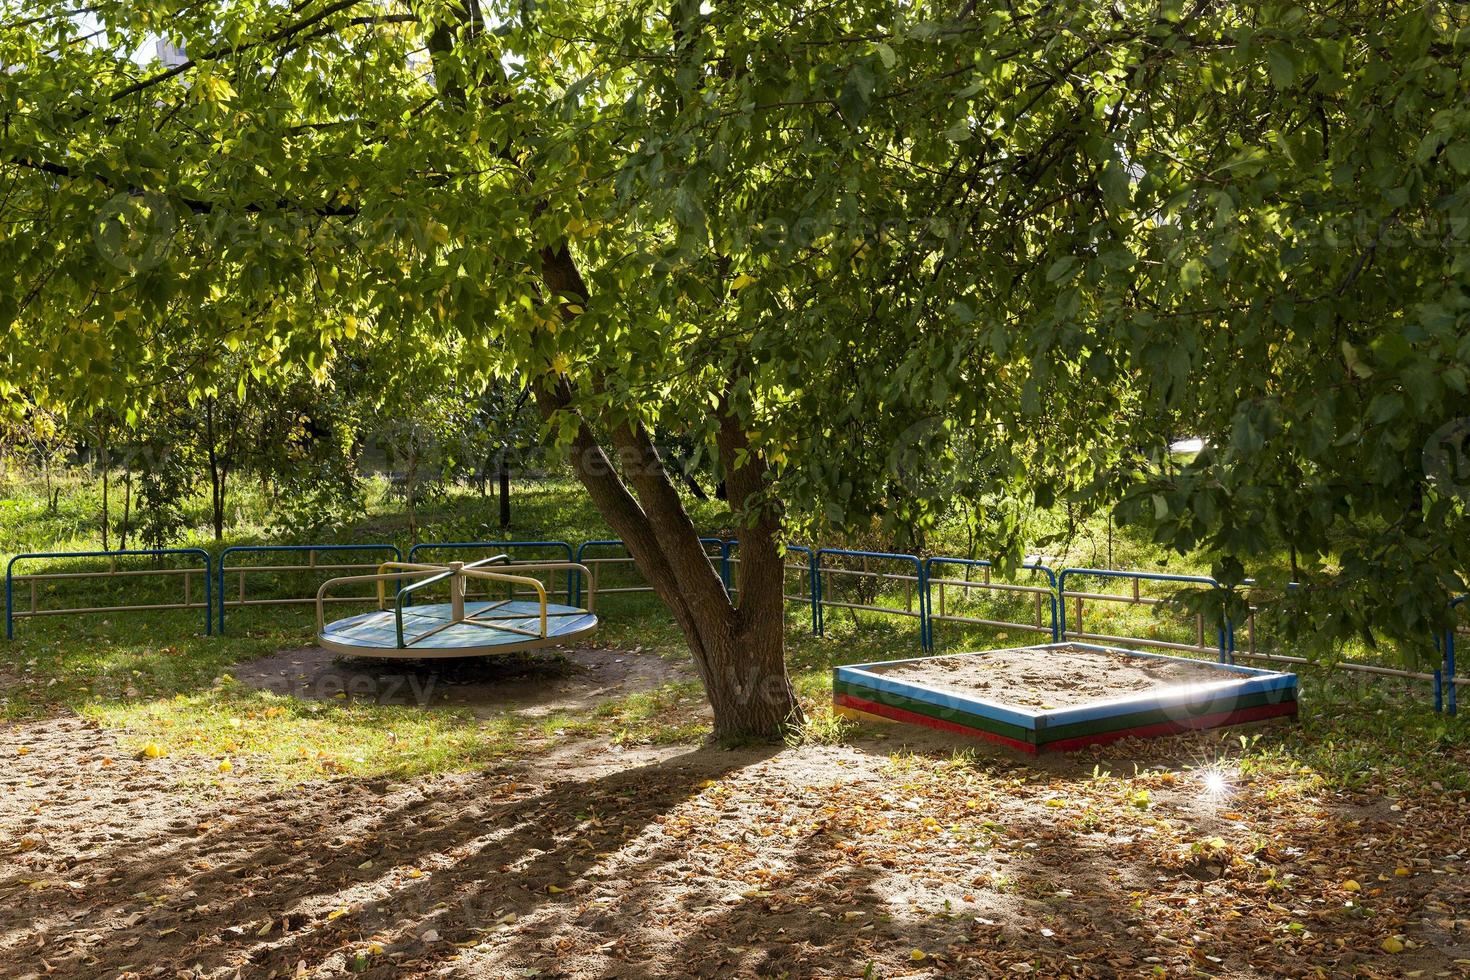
{"points": [[739, 650]]}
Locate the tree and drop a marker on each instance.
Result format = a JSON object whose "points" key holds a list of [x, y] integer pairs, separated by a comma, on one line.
{"points": [[1027, 239]]}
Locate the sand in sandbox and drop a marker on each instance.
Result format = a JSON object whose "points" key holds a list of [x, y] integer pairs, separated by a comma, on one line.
{"points": [[1061, 677]]}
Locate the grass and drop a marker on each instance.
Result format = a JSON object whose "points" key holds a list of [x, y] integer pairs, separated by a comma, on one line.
{"points": [[155, 676]]}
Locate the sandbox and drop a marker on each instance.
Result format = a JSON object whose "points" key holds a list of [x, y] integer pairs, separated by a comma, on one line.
{"points": [[1062, 696]]}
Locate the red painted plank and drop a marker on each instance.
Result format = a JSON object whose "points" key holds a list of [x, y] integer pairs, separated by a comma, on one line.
{"points": [[1217, 720], [914, 718]]}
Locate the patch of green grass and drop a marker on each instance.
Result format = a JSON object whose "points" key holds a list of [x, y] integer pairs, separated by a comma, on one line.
{"points": [[668, 715], [156, 676]]}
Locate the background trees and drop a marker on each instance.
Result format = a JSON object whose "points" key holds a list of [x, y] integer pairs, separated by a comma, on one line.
{"points": [[870, 257]]}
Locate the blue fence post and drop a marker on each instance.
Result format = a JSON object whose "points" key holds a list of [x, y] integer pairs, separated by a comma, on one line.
{"points": [[1224, 634], [929, 599], [1061, 605], [9, 601], [1438, 681], [1051, 588], [926, 626], [1452, 690]]}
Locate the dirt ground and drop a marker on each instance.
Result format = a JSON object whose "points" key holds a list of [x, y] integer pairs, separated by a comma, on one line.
{"points": [[532, 685], [891, 856], [1052, 678]]}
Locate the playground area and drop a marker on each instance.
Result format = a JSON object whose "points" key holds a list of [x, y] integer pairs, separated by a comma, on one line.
{"points": [[207, 788]]}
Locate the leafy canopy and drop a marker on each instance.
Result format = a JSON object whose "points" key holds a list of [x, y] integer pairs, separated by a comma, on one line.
{"points": [[920, 249]]}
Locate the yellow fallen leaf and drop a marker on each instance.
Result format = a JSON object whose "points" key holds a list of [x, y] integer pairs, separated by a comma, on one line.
{"points": [[225, 765], [415, 873], [1392, 945], [152, 751], [705, 783], [1402, 872], [553, 890], [1351, 886], [917, 955], [22, 751]]}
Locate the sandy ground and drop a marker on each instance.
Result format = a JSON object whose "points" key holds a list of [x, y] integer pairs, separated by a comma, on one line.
{"points": [[1056, 678], [536, 684], [888, 857]]}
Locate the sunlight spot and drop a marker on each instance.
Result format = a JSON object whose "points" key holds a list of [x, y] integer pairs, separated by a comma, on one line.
{"points": [[1216, 785]]}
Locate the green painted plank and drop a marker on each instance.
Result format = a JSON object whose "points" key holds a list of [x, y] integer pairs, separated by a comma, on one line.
{"points": [[936, 711]]}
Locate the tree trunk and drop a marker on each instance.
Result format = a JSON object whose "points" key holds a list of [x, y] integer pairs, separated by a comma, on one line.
{"points": [[740, 652], [502, 476], [216, 473], [102, 446], [127, 519]]}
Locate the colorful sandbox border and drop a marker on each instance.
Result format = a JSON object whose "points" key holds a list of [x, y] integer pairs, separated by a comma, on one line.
{"points": [[1243, 694]]}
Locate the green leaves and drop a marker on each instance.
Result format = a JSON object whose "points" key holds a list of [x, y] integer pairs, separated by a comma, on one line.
{"points": [[1069, 233], [856, 93]]}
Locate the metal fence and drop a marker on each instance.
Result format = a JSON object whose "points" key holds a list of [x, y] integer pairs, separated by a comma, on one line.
{"points": [[38, 581], [311, 569], [516, 551], [884, 583], [1042, 598], [623, 569], [1135, 597], [843, 587]]}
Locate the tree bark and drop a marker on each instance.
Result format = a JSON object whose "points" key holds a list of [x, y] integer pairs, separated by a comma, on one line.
{"points": [[739, 651], [127, 520], [502, 477], [102, 446], [216, 473]]}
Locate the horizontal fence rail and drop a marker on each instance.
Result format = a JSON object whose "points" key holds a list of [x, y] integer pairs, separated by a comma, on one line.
{"points": [[35, 580], [1076, 631], [914, 587], [510, 549], [312, 566], [1044, 597], [829, 577], [1256, 650], [719, 560], [806, 569]]}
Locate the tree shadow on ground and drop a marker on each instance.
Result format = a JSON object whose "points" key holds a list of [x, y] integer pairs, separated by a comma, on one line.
{"points": [[304, 877]]}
